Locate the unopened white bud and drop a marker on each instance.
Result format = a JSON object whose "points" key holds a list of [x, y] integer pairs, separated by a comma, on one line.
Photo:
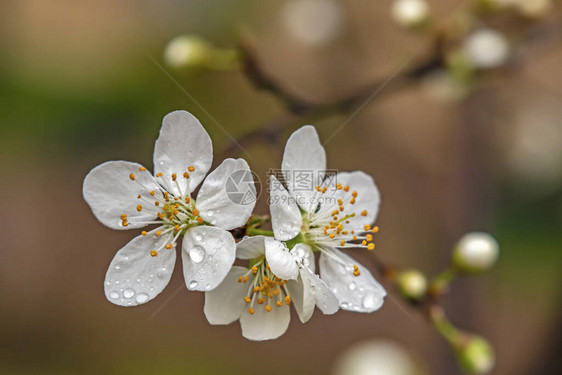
{"points": [[412, 284], [410, 13], [486, 49], [476, 252], [187, 51]]}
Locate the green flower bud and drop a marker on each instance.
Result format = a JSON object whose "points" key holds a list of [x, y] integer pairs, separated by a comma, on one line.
{"points": [[475, 252], [476, 355], [412, 284], [188, 51]]}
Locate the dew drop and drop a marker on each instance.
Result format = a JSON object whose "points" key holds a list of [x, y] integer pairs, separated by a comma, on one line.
{"points": [[208, 287], [196, 254], [193, 284], [351, 285], [371, 301], [198, 237], [210, 213], [142, 298], [117, 267], [114, 295], [128, 293]]}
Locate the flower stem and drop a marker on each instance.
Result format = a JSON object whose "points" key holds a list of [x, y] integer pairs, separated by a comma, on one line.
{"points": [[258, 232]]}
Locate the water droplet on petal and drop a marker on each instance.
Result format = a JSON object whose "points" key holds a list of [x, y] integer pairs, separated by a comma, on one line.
{"points": [[114, 295], [193, 284], [210, 213], [198, 237], [117, 267], [197, 254], [142, 298], [128, 293], [208, 287], [371, 301], [351, 285]]}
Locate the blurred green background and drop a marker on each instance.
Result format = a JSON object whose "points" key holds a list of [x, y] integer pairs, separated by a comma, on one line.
{"points": [[78, 87]]}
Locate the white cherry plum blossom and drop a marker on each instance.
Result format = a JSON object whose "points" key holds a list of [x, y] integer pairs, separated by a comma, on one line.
{"points": [[259, 295], [124, 195], [333, 212]]}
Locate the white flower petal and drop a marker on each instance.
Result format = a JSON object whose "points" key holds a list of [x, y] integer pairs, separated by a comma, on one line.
{"points": [[208, 254], [286, 218], [303, 254], [356, 293], [304, 305], [317, 290], [225, 303], [228, 195], [250, 247], [134, 276], [368, 197], [110, 192], [304, 156], [263, 325], [280, 259], [183, 142]]}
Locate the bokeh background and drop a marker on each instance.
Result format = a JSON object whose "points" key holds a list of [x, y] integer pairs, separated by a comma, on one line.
{"points": [[78, 86]]}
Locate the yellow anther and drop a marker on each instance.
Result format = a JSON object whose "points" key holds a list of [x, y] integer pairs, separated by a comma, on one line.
{"points": [[268, 308], [364, 213], [356, 273], [166, 195], [144, 233], [132, 176], [139, 196], [195, 212], [260, 301], [344, 232], [187, 200], [177, 228], [352, 200], [375, 229], [142, 169], [174, 176], [240, 279], [371, 246], [324, 189], [363, 242], [354, 238], [168, 246], [335, 218], [157, 203], [190, 168], [199, 219], [185, 175], [125, 223], [256, 289], [341, 208], [332, 235], [152, 192], [251, 311], [317, 188], [342, 242], [153, 253], [354, 194], [245, 279], [254, 270], [288, 300], [355, 267], [276, 292], [247, 299], [161, 215], [369, 237], [158, 233], [338, 186], [139, 208], [366, 227], [340, 202], [279, 303], [334, 213], [124, 216], [346, 188]]}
